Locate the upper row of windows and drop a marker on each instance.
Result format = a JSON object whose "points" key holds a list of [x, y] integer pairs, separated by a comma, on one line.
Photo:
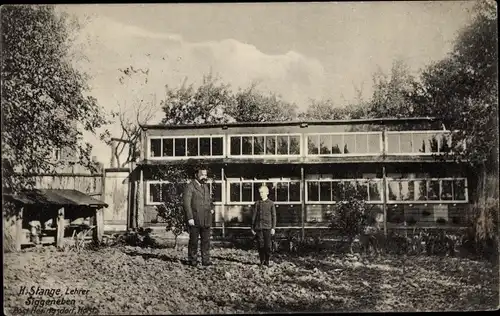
{"points": [[320, 144]]}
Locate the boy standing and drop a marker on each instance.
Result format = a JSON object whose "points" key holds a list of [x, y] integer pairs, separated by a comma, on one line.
{"points": [[264, 224]]}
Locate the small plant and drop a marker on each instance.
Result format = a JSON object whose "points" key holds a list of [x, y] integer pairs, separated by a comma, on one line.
{"points": [[352, 215], [171, 211], [137, 238]]}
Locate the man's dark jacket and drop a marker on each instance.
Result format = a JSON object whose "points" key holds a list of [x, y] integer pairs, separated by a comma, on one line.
{"points": [[198, 203], [264, 215]]}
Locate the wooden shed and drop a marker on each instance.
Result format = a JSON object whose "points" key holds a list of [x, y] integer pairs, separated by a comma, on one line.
{"points": [[58, 211]]}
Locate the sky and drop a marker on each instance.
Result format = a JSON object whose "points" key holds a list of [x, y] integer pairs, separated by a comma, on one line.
{"points": [[301, 51]]}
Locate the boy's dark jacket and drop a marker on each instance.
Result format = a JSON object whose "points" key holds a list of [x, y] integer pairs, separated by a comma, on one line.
{"points": [[264, 215]]}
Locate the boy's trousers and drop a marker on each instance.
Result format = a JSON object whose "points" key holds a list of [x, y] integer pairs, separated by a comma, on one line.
{"points": [[263, 237]]}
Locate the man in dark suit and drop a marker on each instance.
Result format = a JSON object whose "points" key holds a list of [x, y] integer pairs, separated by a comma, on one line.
{"points": [[199, 208]]}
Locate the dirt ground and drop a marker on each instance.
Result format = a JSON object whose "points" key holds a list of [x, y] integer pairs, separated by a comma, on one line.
{"points": [[132, 280]]}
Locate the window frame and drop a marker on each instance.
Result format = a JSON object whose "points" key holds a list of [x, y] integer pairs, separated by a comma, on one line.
{"points": [[229, 181], [265, 135], [365, 180], [148, 201], [306, 144], [412, 153], [439, 201], [185, 137]]}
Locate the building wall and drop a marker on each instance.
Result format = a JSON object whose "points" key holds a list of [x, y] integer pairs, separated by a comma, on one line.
{"points": [[399, 165]]}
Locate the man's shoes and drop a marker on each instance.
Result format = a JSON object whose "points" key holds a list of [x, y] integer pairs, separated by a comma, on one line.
{"points": [[206, 264], [266, 263], [192, 263]]}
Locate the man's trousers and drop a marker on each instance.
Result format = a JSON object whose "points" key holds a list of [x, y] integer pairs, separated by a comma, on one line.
{"points": [[194, 233]]}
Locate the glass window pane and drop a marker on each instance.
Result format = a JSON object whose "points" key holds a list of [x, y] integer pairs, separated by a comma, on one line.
{"points": [[294, 145], [258, 145], [432, 143], [374, 143], [294, 191], [446, 190], [337, 144], [180, 147], [204, 146], [192, 147], [154, 192], [217, 191], [405, 143], [270, 145], [312, 191], [419, 143], [246, 145], [394, 194], [235, 145], [445, 143], [155, 147], [337, 191], [459, 190], [167, 192], [168, 147], [325, 191], [349, 188], [256, 194], [234, 192], [313, 144], [282, 192], [217, 146], [407, 190], [375, 190], [272, 190], [392, 143], [433, 190], [361, 143], [349, 143], [363, 190], [282, 145], [325, 144], [246, 192], [420, 190]]}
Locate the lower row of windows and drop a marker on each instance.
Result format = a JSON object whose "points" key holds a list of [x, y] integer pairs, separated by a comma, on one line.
{"points": [[328, 191]]}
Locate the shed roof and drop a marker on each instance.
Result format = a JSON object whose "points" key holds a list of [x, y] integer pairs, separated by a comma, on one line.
{"points": [[59, 197], [389, 120]]}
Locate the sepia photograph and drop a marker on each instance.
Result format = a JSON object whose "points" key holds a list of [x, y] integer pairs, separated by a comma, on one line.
{"points": [[250, 158]]}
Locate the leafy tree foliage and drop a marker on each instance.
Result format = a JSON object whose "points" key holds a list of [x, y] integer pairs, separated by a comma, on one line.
{"points": [[203, 105], [391, 94], [463, 87], [253, 106], [43, 95]]}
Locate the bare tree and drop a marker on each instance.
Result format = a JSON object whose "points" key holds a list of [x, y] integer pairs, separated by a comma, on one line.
{"points": [[130, 118]]}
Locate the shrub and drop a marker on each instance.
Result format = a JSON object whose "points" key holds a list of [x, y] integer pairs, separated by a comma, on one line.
{"points": [[352, 215]]}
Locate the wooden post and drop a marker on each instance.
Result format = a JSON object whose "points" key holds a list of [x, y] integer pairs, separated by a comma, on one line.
{"points": [[99, 228], [131, 196], [384, 198], [19, 229], [60, 228], [140, 200], [303, 199], [223, 186]]}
